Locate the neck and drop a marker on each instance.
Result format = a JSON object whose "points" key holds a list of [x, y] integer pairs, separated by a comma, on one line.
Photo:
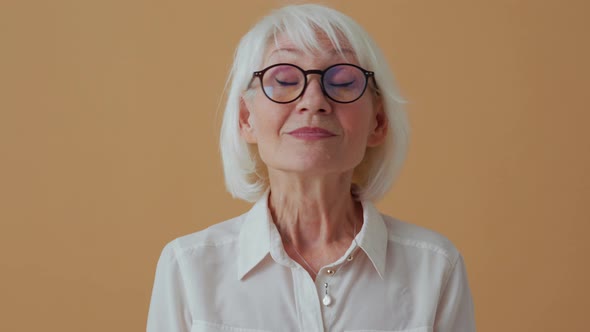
{"points": [[313, 210], [316, 216]]}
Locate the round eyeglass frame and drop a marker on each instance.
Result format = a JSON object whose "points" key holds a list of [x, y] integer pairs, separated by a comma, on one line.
{"points": [[367, 73]]}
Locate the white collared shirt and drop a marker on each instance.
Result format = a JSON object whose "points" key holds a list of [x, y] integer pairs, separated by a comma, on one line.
{"points": [[236, 276]]}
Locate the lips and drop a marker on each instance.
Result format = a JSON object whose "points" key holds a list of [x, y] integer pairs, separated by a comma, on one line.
{"points": [[311, 133]]}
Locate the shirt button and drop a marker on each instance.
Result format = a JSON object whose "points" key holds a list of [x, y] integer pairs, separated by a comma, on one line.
{"points": [[330, 271], [349, 258]]}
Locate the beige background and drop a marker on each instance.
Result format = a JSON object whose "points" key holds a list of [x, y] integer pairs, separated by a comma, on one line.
{"points": [[109, 116]]}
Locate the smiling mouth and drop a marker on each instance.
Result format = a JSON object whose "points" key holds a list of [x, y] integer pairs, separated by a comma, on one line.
{"points": [[311, 133]]}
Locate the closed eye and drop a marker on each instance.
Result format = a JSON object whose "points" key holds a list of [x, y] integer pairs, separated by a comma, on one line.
{"points": [[342, 85], [283, 83]]}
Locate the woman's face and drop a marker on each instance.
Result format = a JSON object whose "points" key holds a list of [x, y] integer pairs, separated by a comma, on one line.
{"points": [[312, 135]]}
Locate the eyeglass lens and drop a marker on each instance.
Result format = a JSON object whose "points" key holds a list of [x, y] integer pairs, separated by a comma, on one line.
{"points": [[342, 83]]}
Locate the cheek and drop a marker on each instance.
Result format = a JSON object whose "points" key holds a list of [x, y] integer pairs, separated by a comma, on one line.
{"points": [[358, 123], [262, 121], [267, 124]]}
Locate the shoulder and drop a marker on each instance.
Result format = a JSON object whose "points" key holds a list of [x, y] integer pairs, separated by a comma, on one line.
{"points": [[416, 238], [213, 238]]}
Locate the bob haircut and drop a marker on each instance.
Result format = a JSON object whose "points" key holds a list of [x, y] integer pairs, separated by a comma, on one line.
{"points": [[245, 173]]}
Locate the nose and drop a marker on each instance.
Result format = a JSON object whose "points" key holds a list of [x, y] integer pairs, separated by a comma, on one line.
{"points": [[313, 98]]}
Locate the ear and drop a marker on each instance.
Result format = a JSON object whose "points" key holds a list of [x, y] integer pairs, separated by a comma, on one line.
{"points": [[381, 124], [245, 121]]}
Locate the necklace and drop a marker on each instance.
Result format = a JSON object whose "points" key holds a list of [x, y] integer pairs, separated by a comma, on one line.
{"points": [[327, 300]]}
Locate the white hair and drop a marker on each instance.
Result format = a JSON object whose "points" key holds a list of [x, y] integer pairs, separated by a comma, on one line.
{"points": [[245, 173]]}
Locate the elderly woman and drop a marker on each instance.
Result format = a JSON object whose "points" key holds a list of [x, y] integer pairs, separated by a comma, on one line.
{"points": [[313, 132]]}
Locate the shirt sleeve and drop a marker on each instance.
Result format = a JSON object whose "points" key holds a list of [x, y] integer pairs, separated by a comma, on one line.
{"points": [[455, 308], [169, 309]]}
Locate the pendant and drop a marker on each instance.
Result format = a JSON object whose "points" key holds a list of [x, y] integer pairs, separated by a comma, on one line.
{"points": [[327, 300]]}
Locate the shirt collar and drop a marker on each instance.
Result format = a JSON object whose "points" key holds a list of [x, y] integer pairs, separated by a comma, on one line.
{"points": [[373, 237], [254, 239]]}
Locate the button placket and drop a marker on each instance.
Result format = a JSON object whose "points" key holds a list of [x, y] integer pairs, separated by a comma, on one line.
{"points": [[325, 279], [324, 284]]}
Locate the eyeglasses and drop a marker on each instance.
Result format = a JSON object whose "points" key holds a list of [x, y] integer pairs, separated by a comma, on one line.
{"points": [[343, 83]]}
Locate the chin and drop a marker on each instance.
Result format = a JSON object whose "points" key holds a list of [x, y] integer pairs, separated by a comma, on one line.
{"points": [[313, 163], [315, 168]]}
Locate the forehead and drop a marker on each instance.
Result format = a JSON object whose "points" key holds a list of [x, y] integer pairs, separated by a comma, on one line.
{"points": [[321, 49]]}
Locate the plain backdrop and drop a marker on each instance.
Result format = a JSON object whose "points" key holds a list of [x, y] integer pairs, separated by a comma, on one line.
{"points": [[109, 120]]}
